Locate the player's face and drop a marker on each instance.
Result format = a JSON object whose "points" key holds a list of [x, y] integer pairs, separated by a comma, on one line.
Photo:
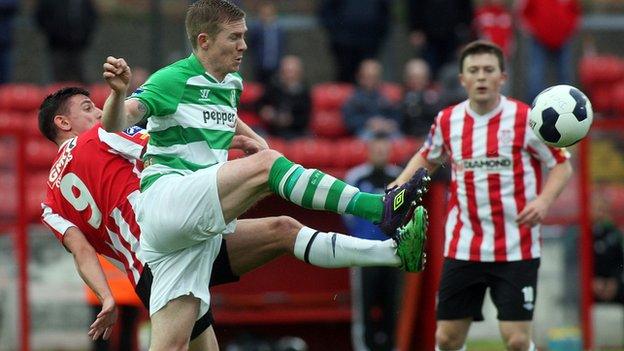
{"points": [[482, 78], [82, 114], [224, 52], [379, 151]]}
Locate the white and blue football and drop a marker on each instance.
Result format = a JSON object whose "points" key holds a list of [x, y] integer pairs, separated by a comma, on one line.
{"points": [[561, 115]]}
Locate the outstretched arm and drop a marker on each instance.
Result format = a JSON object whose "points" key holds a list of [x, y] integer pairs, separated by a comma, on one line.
{"points": [[416, 162], [119, 114], [535, 211], [91, 273]]}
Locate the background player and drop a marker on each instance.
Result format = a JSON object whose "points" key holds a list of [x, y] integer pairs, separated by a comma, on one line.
{"points": [[497, 202]]}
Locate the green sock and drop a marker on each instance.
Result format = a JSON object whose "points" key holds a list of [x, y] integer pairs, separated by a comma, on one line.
{"points": [[311, 188]]}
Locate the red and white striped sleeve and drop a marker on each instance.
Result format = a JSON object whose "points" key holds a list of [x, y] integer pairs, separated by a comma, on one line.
{"points": [[547, 155], [55, 222], [433, 148], [129, 143]]}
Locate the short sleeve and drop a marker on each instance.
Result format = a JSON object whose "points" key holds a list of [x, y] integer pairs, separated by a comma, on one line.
{"points": [[55, 222], [547, 155], [161, 93], [433, 148], [130, 143]]}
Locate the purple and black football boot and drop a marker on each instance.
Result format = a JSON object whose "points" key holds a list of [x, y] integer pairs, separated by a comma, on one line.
{"points": [[400, 201]]}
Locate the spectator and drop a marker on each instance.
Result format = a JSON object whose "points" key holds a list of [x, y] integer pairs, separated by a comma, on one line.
{"points": [[549, 25], [608, 283], [68, 26], [367, 111], [438, 28], [8, 9], [494, 22], [374, 289], [266, 40], [285, 106], [356, 29], [421, 101]]}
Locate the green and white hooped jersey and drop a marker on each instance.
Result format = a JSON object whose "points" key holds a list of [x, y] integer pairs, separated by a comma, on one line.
{"points": [[192, 118]]}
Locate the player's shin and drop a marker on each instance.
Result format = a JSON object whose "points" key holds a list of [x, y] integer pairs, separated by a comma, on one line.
{"points": [[333, 250], [311, 188]]}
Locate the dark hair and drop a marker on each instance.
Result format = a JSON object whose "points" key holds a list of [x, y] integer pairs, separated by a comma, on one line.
{"points": [[55, 104], [206, 16], [481, 47]]}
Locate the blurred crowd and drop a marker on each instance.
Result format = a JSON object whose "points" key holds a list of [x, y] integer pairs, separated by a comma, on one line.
{"points": [[356, 31], [280, 102]]}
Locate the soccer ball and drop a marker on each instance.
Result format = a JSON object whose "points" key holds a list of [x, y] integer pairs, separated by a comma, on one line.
{"points": [[561, 115]]}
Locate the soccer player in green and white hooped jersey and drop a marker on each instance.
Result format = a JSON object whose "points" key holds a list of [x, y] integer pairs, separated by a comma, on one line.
{"points": [[191, 194]]}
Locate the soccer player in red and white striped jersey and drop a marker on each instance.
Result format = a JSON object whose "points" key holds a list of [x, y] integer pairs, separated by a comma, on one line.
{"points": [[91, 187], [497, 202]]}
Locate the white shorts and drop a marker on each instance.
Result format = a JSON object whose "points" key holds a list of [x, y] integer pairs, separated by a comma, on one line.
{"points": [[181, 225], [184, 272], [180, 211]]}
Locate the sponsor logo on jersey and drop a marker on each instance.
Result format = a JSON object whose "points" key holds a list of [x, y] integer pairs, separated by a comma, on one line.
{"points": [[54, 178], [133, 130], [204, 94], [138, 91], [487, 164], [220, 117]]}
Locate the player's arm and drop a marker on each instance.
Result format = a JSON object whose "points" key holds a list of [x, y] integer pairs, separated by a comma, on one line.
{"points": [[119, 114], [536, 210], [243, 129], [430, 155], [417, 161], [92, 274]]}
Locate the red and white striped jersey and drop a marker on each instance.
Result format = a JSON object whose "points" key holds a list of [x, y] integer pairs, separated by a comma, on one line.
{"points": [[93, 184], [496, 165]]}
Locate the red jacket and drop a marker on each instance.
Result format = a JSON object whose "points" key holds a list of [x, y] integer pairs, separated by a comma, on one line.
{"points": [[494, 22], [552, 22]]}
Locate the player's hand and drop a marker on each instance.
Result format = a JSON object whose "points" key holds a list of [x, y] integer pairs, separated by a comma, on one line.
{"points": [[117, 74], [396, 182], [103, 325], [534, 212], [247, 144]]}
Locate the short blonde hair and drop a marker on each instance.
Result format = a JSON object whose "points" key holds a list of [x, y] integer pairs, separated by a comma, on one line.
{"points": [[206, 16]]}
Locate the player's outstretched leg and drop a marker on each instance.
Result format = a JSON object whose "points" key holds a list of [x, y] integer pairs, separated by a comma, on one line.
{"points": [[260, 240], [411, 239], [311, 188], [242, 182], [400, 200]]}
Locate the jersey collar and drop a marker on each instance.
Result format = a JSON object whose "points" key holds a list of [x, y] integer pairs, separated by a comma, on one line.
{"points": [[490, 114], [197, 66]]}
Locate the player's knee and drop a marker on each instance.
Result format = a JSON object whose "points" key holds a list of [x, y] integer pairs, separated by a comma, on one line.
{"points": [[286, 228], [518, 342], [261, 163], [285, 224], [267, 158], [448, 341]]}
